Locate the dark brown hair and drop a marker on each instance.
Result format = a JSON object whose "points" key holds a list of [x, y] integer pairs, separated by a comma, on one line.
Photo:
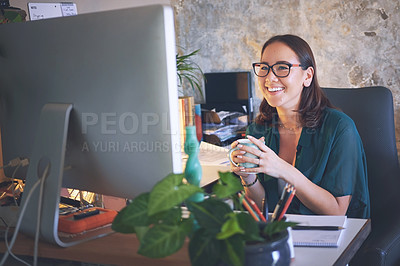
{"points": [[312, 100]]}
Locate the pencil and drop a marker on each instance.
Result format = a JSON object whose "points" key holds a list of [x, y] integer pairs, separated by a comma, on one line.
{"points": [[287, 204], [316, 227], [255, 208], [249, 209], [279, 204], [264, 209]]}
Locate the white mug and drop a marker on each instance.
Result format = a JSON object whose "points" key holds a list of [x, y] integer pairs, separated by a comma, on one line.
{"points": [[246, 142]]}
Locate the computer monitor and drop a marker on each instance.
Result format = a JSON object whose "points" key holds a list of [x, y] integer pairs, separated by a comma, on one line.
{"points": [[230, 95], [94, 97], [229, 91]]}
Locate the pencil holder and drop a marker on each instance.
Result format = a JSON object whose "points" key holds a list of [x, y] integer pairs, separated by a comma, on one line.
{"points": [[275, 252], [290, 238]]}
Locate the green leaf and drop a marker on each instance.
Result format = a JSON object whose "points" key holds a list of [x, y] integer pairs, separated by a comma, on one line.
{"points": [[230, 227], [135, 214], [276, 227], [12, 15], [233, 251], [141, 232], [170, 192], [204, 249], [162, 240], [189, 71], [250, 227], [227, 185], [187, 225], [210, 213], [171, 216]]}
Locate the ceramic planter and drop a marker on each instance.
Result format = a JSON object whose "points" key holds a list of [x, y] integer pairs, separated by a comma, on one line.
{"points": [[275, 253]]}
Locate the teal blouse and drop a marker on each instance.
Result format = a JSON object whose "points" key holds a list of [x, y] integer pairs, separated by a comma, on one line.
{"points": [[331, 156]]}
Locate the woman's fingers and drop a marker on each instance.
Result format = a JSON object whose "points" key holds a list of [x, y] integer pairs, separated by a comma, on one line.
{"points": [[254, 170], [239, 157], [240, 171], [253, 150], [259, 143], [234, 144], [237, 154]]}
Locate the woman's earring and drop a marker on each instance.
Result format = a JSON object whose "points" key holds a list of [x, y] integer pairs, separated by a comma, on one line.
{"points": [[307, 83]]}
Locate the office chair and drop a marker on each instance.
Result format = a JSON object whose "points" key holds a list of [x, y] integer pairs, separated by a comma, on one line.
{"points": [[371, 108]]}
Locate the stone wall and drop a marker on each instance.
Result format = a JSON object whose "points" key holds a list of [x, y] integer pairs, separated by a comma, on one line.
{"points": [[356, 42]]}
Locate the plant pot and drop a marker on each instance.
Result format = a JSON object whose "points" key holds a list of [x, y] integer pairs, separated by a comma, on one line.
{"points": [[269, 253]]}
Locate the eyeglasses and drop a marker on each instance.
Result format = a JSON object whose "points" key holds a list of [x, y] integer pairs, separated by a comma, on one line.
{"points": [[280, 70]]}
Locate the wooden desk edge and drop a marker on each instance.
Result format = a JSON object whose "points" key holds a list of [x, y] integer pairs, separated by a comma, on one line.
{"points": [[104, 250], [355, 244]]}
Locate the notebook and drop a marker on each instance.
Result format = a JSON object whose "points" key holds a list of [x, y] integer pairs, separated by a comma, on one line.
{"points": [[317, 238]]}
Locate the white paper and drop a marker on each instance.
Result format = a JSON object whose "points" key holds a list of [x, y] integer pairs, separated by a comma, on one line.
{"points": [[51, 10], [322, 238], [210, 154]]}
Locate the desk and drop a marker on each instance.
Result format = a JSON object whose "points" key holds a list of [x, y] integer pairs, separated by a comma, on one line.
{"points": [[357, 230], [120, 249], [114, 249]]}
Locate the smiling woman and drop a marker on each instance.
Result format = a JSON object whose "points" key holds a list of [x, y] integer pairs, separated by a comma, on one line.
{"points": [[304, 140]]}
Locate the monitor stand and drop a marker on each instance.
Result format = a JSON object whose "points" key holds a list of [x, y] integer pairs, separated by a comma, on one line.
{"points": [[49, 150]]}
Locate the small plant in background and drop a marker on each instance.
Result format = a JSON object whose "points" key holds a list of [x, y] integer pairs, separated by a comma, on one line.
{"points": [[217, 232], [190, 72], [9, 14]]}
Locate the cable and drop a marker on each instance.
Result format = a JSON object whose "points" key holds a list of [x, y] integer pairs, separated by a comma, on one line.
{"points": [[19, 259], [16, 162], [17, 226], [12, 254]]}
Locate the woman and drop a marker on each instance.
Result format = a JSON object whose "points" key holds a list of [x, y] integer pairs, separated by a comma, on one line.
{"points": [[303, 140]]}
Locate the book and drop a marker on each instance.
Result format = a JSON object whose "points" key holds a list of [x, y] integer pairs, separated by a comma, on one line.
{"points": [[317, 238]]}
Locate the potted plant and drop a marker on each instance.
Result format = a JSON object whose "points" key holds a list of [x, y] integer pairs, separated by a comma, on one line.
{"points": [[190, 72], [190, 80], [217, 234]]}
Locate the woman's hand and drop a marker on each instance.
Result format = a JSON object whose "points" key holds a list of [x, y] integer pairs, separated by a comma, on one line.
{"points": [[314, 197], [268, 163], [237, 157]]}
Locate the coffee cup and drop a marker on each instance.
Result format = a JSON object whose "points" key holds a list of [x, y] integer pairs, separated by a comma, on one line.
{"points": [[248, 143]]}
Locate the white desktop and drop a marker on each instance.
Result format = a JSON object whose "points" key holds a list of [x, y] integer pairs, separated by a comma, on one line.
{"points": [[355, 233]]}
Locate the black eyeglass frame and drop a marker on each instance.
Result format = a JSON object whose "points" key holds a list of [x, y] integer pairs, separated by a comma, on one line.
{"points": [[290, 65]]}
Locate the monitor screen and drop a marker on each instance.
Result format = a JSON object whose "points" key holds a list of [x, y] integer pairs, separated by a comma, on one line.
{"points": [[228, 108], [94, 96], [229, 91]]}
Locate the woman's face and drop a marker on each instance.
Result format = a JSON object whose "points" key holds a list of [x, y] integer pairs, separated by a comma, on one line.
{"points": [[283, 93]]}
